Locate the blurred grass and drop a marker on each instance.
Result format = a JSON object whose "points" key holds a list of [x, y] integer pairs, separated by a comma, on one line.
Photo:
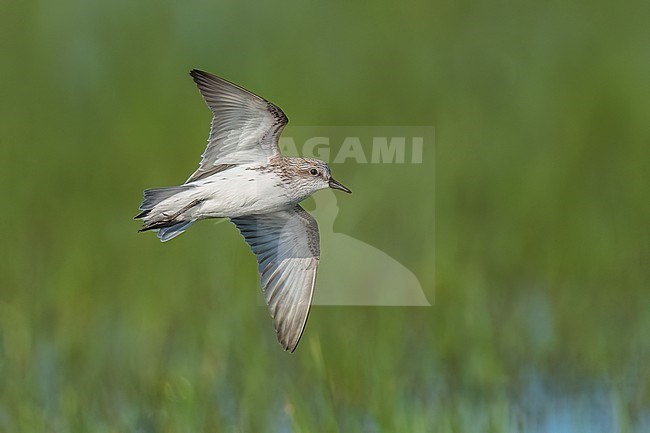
{"points": [[541, 218]]}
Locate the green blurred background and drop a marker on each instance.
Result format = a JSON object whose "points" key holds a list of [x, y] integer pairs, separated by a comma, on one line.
{"points": [[541, 318]]}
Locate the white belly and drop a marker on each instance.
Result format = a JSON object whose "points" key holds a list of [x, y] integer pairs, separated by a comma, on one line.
{"points": [[239, 191]]}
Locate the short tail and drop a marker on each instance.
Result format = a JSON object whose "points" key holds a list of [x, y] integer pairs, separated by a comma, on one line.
{"points": [[154, 196], [168, 226]]}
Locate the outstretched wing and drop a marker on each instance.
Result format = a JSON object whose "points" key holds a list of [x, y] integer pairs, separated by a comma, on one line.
{"points": [[245, 128], [286, 244]]}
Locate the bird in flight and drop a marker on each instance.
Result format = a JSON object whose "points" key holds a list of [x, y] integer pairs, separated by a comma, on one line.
{"points": [[243, 177]]}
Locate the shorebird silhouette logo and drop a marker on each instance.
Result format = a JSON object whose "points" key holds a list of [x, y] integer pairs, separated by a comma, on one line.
{"points": [[353, 272]]}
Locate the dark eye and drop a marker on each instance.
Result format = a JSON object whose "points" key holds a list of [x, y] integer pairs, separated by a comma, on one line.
{"points": [[313, 172]]}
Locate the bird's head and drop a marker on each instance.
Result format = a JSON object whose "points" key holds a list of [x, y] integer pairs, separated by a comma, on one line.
{"points": [[316, 175]]}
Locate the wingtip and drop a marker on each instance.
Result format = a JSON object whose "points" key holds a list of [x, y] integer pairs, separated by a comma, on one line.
{"points": [[289, 343], [206, 79], [194, 73], [289, 348]]}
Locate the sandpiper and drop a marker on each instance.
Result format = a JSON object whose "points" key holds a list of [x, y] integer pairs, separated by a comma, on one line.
{"points": [[242, 176]]}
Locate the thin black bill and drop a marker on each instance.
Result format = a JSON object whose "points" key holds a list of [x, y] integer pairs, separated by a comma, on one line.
{"points": [[336, 185]]}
